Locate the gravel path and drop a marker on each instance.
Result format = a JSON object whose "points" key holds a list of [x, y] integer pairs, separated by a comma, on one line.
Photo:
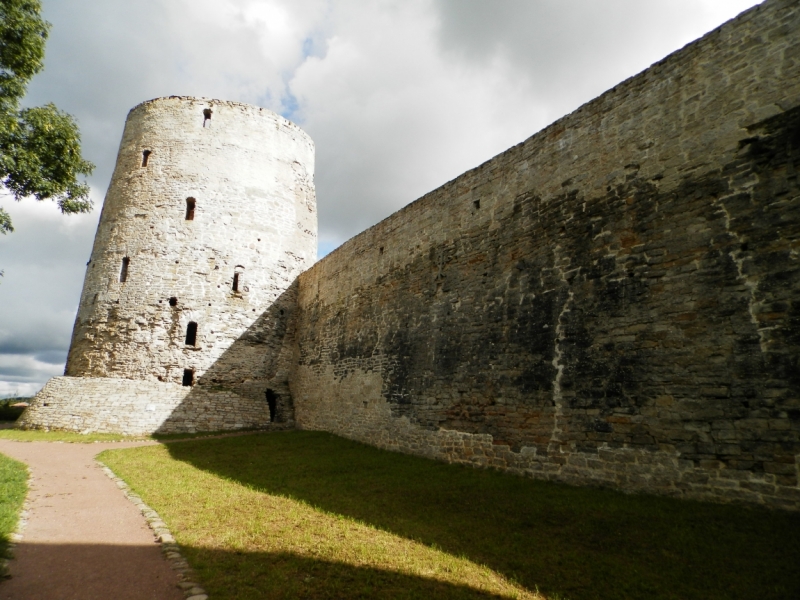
{"points": [[83, 539]]}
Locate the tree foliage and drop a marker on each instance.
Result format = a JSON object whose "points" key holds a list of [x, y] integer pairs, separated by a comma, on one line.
{"points": [[40, 148]]}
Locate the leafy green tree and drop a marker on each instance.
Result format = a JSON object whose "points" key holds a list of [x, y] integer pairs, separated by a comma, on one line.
{"points": [[40, 148]]}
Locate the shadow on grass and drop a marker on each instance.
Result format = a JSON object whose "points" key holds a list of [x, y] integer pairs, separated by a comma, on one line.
{"points": [[257, 575], [90, 571], [575, 542]]}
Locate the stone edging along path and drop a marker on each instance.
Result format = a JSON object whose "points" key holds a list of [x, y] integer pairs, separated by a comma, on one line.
{"points": [[31, 524], [177, 562], [187, 583]]}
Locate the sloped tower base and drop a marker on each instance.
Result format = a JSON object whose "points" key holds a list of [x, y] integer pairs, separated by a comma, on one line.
{"points": [[131, 407]]}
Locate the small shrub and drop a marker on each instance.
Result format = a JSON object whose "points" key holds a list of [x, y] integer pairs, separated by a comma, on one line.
{"points": [[8, 412]]}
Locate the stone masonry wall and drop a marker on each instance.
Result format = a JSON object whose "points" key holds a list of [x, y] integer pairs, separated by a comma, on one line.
{"points": [[208, 220], [250, 175], [111, 405], [614, 300]]}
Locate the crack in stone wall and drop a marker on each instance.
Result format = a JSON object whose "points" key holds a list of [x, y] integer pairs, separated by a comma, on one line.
{"points": [[740, 259], [558, 400]]}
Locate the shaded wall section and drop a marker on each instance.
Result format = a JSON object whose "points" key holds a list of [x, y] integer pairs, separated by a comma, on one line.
{"points": [[247, 387], [614, 300]]}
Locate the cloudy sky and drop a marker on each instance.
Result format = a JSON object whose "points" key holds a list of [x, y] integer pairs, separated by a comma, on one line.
{"points": [[400, 96]]}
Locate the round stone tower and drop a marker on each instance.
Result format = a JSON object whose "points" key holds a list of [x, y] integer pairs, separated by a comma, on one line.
{"points": [[209, 218]]}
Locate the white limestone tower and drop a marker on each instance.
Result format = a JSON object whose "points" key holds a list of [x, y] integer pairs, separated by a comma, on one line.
{"points": [[209, 218]]}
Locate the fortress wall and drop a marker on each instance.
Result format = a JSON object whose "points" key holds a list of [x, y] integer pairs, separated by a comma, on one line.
{"points": [[614, 300], [112, 405]]}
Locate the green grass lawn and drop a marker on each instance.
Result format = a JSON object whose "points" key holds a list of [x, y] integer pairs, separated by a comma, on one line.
{"points": [[312, 515], [34, 435], [13, 487], [37, 435]]}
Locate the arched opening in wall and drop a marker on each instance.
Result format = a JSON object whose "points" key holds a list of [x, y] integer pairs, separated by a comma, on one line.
{"points": [[190, 204], [188, 377], [173, 301], [123, 272], [272, 403], [206, 115], [145, 157], [191, 334]]}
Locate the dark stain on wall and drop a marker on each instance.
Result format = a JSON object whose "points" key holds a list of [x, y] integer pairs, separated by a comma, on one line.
{"points": [[666, 312]]}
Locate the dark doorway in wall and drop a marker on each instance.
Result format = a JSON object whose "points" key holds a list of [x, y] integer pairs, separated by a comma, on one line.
{"points": [[188, 377], [145, 157], [191, 334], [173, 301], [123, 272], [272, 402], [235, 282], [190, 204], [206, 115]]}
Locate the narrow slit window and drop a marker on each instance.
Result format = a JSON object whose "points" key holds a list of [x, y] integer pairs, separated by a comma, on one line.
{"points": [[191, 334], [235, 282], [190, 204], [272, 403], [206, 115], [145, 157], [123, 272], [188, 377]]}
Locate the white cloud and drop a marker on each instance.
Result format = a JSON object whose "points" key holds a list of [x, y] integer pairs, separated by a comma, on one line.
{"points": [[393, 118]]}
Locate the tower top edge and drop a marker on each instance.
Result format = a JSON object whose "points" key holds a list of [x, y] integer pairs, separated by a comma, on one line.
{"points": [[214, 102]]}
